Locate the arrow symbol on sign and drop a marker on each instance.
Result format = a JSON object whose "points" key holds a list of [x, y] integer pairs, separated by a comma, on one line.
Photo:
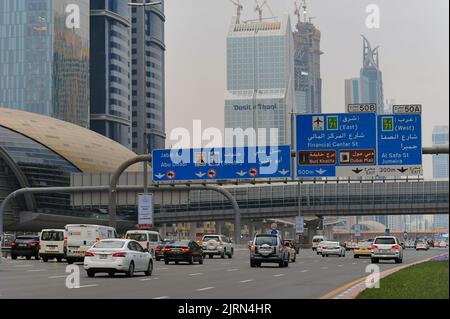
{"points": [[200, 174], [357, 171], [402, 170], [241, 173], [160, 175], [321, 171], [283, 172]]}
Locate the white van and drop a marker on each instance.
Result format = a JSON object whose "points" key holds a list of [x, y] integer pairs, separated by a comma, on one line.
{"points": [[81, 237], [52, 244], [316, 241], [147, 238]]}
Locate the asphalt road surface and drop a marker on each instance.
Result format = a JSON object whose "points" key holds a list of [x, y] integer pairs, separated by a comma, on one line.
{"points": [[310, 277]]}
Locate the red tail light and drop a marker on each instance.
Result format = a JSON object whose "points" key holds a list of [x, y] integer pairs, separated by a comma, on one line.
{"points": [[120, 254], [97, 239], [374, 247], [252, 248], [157, 249], [89, 254], [167, 249], [395, 247], [185, 250], [280, 249], [13, 244]]}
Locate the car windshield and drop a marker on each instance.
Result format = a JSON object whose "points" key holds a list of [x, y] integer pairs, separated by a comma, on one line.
{"points": [[207, 238], [110, 244], [52, 236], [137, 237], [317, 240], [385, 241], [266, 240]]}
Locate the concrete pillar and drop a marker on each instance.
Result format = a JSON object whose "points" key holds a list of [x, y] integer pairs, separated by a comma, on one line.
{"points": [[219, 225], [164, 231], [193, 231]]}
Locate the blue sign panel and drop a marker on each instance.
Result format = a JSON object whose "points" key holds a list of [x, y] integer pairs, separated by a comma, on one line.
{"points": [[330, 145], [400, 144], [221, 164]]}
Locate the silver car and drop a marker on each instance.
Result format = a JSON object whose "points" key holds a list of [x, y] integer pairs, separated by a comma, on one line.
{"points": [[386, 248], [330, 248]]}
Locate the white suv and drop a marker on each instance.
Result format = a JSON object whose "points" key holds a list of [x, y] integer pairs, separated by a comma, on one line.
{"points": [[385, 248], [217, 245]]}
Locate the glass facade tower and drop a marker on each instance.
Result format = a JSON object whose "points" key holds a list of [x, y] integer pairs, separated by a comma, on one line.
{"points": [[44, 60], [148, 78], [440, 162], [111, 70], [260, 67]]}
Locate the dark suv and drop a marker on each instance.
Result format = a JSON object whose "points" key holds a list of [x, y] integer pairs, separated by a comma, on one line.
{"points": [[27, 246], [268, 249]]}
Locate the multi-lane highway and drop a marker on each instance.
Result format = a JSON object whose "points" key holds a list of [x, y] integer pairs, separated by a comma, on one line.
{"points": [[311, 276]]}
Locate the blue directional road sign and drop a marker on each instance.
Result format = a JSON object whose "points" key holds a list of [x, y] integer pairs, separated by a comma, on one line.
{"points": [[221, 164], [331, 145], [399, 144]]}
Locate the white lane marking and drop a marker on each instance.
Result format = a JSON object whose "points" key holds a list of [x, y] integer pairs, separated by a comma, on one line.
{"points": [[234, 269], [162, 268], [306, 270], [36, 270], [56, 277], [162, 297], [88, 286], [340, 265], [204, 289], [245, 281], [146, 279], [23, 266], [354, 263], [196, 274], [324, 268], [278, 275]]}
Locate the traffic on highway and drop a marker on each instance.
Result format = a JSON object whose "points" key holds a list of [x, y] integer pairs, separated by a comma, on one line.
{"points": [[144, 265]]}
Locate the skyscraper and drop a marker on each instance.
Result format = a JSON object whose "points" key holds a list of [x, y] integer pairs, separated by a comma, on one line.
{"points": [[260, 66], [148, 77], [372, 73], [44, 58], [368, 88], [356, 90], [110, 74], [440, 162], [308, 83]]}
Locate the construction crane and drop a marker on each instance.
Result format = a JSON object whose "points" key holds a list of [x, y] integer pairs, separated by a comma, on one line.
{"points": [[239, 8], [297, 11], [305, 10], [259, 8]]}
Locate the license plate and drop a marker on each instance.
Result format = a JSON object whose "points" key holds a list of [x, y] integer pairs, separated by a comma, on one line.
{"points": [[22, 245], [51, 251], [103, 256], [78, 252]]}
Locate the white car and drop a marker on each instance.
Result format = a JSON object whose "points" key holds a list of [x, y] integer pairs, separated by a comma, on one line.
{"points": [[217, 245], [118, 256], [385, 248], [147, 238], [330, 248], [422, 245], [319, 246], [443, 244]]}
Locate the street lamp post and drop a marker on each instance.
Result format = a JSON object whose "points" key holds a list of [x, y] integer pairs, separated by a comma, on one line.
{"points": [[144, 5]]}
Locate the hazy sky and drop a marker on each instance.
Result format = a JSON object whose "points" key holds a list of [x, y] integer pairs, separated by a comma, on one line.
{"points": [[414, 55]]}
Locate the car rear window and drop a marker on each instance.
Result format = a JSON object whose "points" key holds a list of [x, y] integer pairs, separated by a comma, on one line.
{"points": [[27, 238], [137, 237], [385, 241], [206, 238], [365, 244], [266, 240], [109, 244], [180, 244], [317, 240], [52, 236]]}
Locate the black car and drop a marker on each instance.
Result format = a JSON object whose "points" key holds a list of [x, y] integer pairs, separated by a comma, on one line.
{"points": [[159, 250], [25, 246], [184, 250]]}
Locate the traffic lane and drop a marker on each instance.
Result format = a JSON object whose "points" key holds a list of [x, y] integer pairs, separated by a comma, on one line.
{"points": [[217, 278]]}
